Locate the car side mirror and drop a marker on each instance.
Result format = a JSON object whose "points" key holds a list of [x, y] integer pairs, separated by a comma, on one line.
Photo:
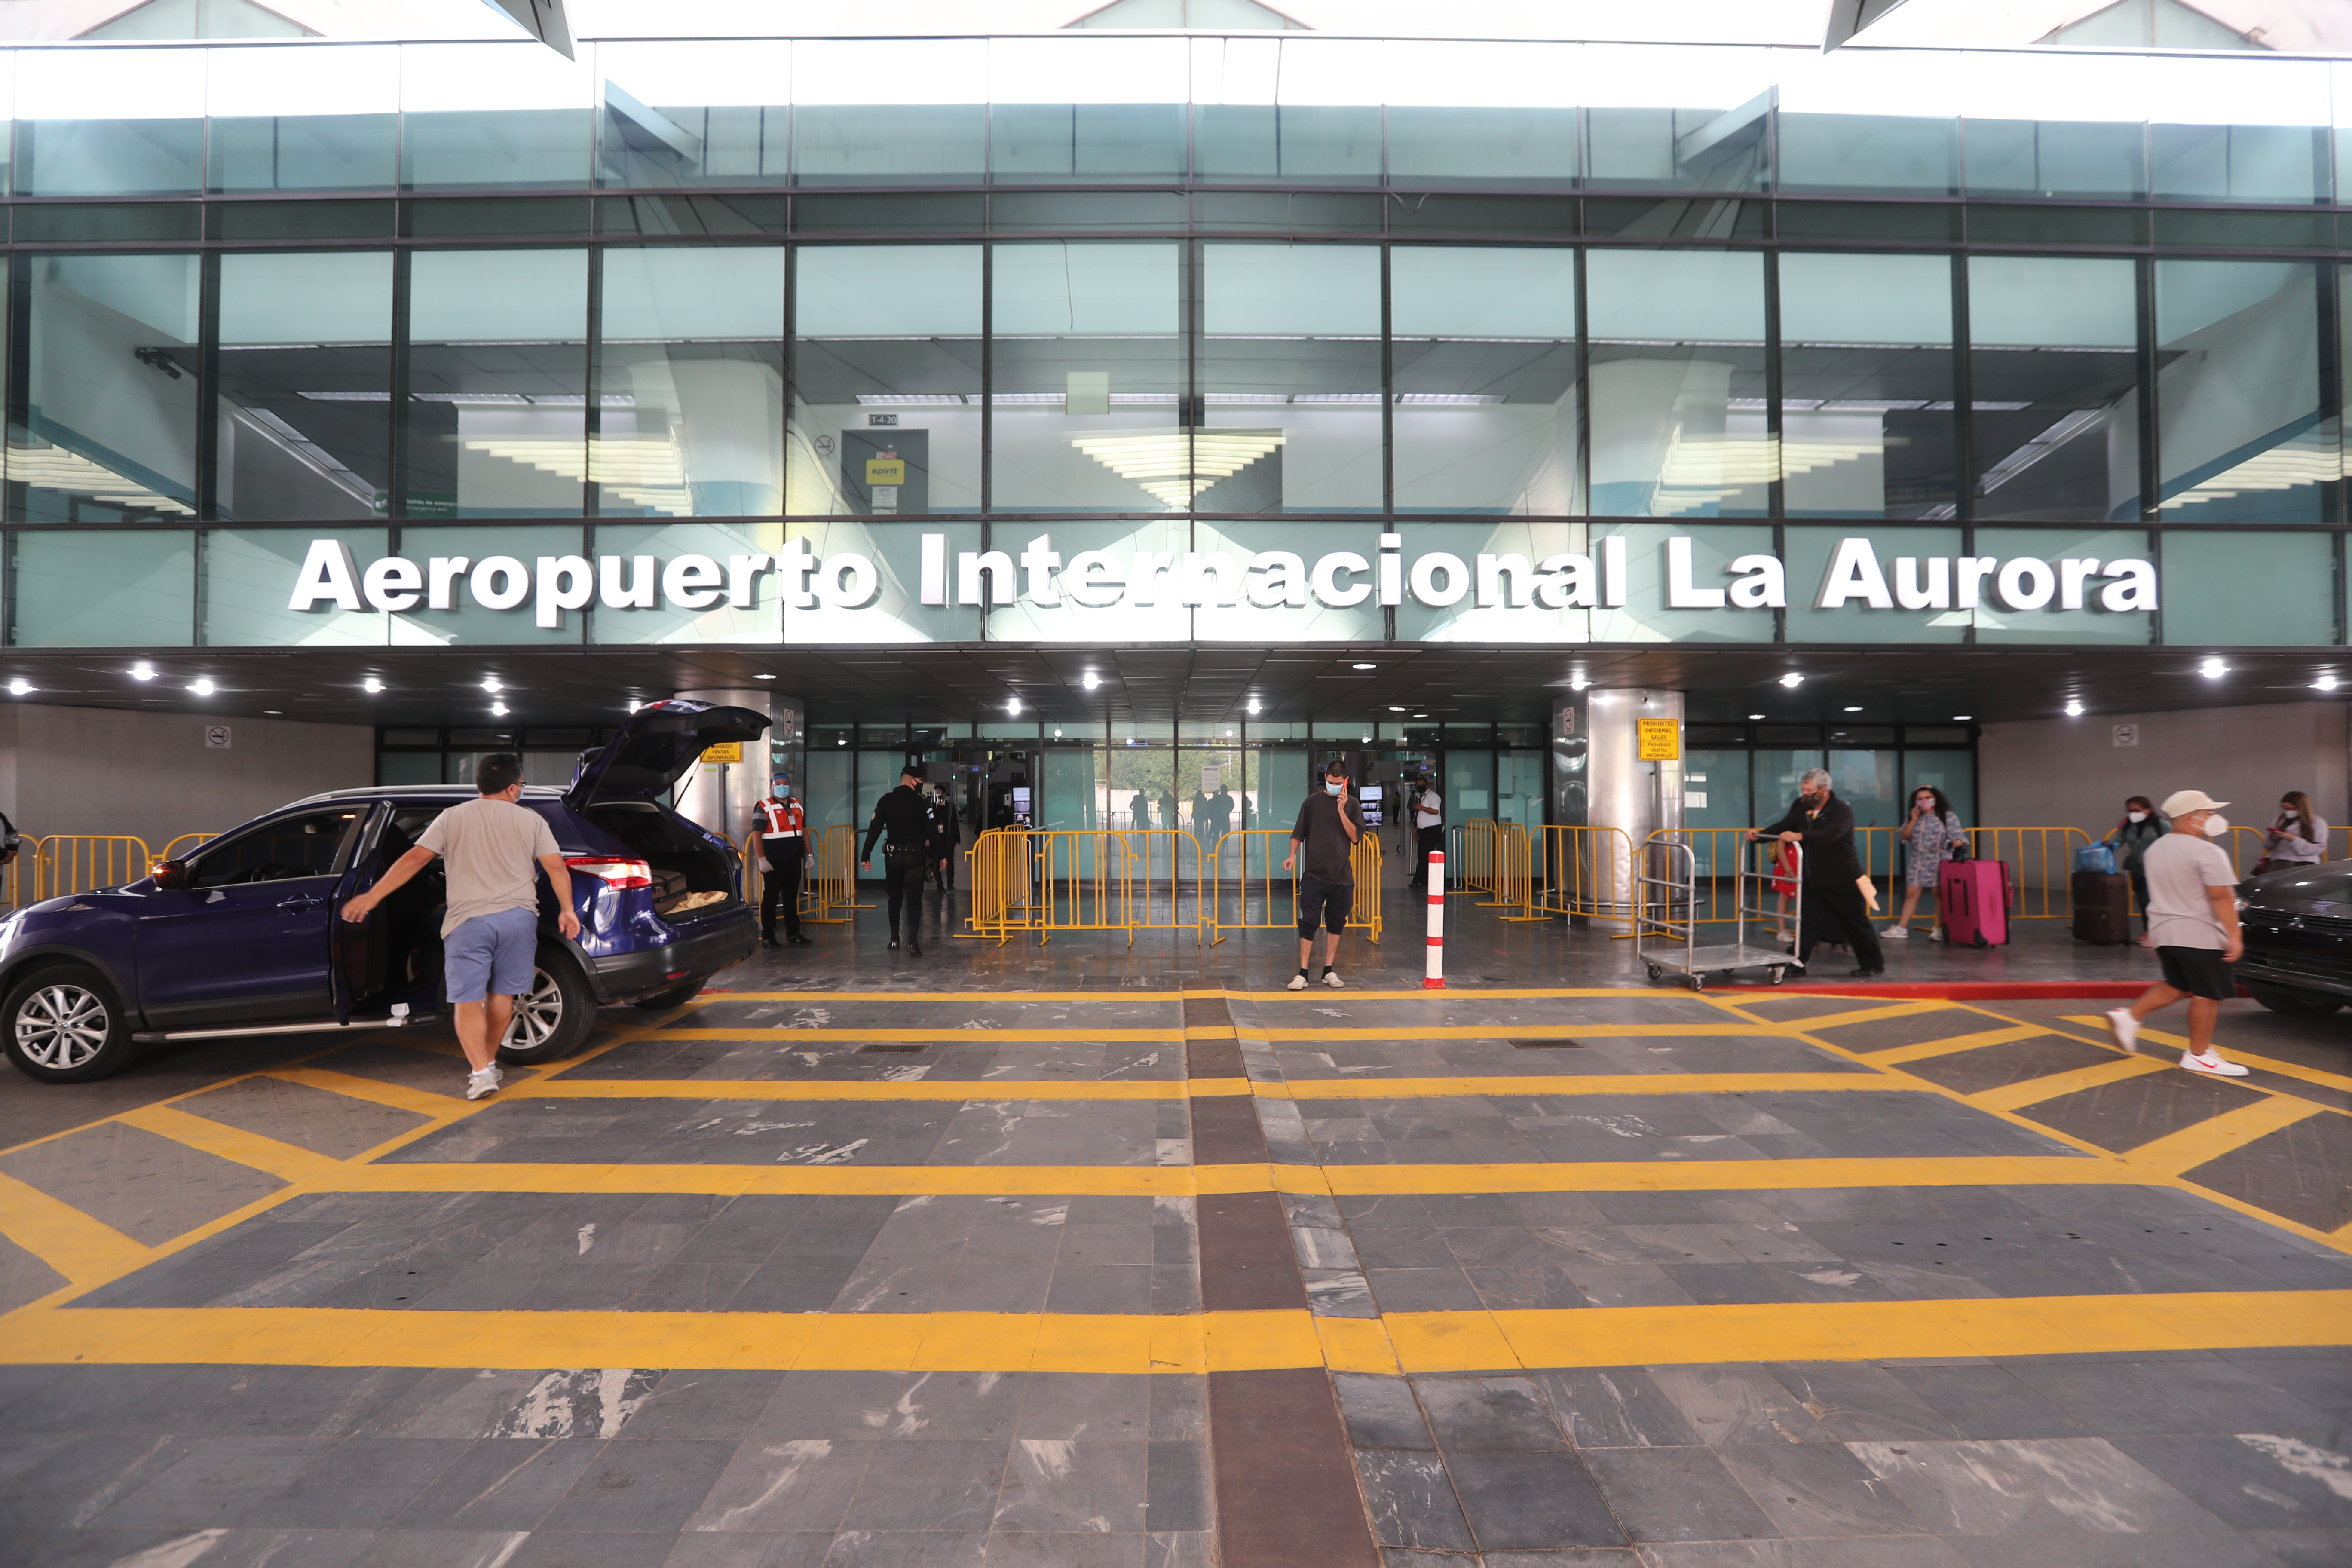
{"points": [[169, 873]]}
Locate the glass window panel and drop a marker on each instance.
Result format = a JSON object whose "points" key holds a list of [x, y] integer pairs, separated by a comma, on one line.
{"points": [[497, 383], [1485, 361], [1042, 143], [2056, 158], [1893, 155], [894, 614], [110, 398], [687, 113], [465, 621], [2239, 162], [1867, 781], [112, 121], [493, 114], [305, 424], [2053, 371], [1467, 782], [2237, 391], [408, 767], [885, 382], [825, 793], [1644, 620], [1679, 397], [1998, 622], [1482, 146], [1290, 379], [663, 621], [1314, 621], [332, 124], [112, 589], [1089, 365], [2247, 589], [1811, 552], [247, 576], [1467, 620], [1124, 619], [1072, 789], [1867, 427], [889, 111], [1678, 148], [1954, 773], [690, 416], [1714, 790]]}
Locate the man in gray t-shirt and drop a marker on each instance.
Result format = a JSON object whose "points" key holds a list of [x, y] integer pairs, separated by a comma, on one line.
{"points": [[490, 934], [2192, 917]]}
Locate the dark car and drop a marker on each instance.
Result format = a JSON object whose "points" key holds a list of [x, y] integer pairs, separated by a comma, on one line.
{"points": [[2298, 926], [244, 936]]}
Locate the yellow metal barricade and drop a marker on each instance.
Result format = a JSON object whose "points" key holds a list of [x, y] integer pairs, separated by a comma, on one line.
{"points": [[1589, 872], [1084, 881], [1470, 859], [996, 873], [22, 873], [834, 884], [1364, 908], [81, 862], [1166, 875], [1514, 874], [184, 843], [1256, 854]]}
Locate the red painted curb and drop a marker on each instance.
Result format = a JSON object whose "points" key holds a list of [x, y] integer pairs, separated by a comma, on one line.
{"points": [[1959, 990]]}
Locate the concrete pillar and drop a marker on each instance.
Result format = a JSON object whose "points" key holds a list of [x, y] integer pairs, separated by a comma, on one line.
{"points": [[1599, 779], [719, 795]]}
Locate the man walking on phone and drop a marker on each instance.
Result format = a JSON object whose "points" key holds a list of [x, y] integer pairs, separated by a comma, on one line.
{"points": [[1328, 825]]}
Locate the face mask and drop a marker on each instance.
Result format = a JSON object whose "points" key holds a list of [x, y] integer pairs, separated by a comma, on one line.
{"points": [[1333, 788], [2216, 825], [2286, 814], [1925, 804], [2136, 816]]}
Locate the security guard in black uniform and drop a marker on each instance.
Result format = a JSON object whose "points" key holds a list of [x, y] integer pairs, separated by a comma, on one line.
{"points": [[903, 816]]}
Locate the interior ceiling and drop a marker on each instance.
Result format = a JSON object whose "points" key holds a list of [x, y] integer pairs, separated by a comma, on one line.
{"points": [[931, 683]]}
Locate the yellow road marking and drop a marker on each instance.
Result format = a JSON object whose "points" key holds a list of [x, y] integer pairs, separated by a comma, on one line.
{"points": [[2033, 1091], [2267, 1064], [1402, 1031], [1570, 1085], [1208, 1341], [1184, 1181], [928, 1037], [351, 1087], [991, 1091], [1906, 1009], [284, 1161], [1272, 994], [87, 1251], [1899, 1055], [1203, 1032], [2184, 1150]]}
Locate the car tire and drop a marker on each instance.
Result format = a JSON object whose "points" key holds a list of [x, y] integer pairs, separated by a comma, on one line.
{"points": [[662, 1001], [62, 1023], [2295, 1003], [552, 1019]]}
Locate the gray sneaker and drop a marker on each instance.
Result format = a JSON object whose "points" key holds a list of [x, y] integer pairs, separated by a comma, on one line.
{"points": [[487, 1081], [1298, 983], [1331, 978]]}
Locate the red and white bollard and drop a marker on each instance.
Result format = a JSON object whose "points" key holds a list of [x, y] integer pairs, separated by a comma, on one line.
{"points": [[1434, 980]]}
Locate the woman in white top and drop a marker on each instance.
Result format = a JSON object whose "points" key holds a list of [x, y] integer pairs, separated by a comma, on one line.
{"points": [[2297, 838]]}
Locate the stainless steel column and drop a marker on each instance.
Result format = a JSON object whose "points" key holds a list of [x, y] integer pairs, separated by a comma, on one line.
{"points": [[719, 795], [1599, 779]]}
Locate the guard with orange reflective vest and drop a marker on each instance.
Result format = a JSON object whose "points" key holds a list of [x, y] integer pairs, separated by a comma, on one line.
{"points": [[783, 828]]}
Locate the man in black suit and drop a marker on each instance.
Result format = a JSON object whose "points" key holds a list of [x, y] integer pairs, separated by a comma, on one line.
{"points": [[1822, 826]]}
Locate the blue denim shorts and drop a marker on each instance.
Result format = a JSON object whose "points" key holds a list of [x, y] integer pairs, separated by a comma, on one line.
{"points": [[491, 955]]}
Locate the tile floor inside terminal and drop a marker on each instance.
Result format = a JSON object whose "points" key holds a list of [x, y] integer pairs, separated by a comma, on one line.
{"points": [[1078, 1256]]}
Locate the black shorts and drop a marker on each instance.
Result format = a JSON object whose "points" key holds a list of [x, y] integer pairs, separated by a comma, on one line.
{"points": [[2199, 970], [1323, 903]]}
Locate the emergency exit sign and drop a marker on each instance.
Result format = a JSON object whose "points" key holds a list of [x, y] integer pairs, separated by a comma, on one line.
{"points": [[1660, 739]]}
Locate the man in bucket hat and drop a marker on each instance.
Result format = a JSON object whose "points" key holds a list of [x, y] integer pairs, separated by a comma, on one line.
{"points": [[2192, 920]]}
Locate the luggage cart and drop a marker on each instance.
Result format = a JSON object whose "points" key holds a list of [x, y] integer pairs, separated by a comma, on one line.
{"points": [[1750, 889]]}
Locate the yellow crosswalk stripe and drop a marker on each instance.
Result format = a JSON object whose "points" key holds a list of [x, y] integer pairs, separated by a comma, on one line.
{"points": [[1403, 1032], [284, 1161], [999, 1090], [85, 1250], [1895, 1055], [1820, 1021], [2035, 1091], [2310, 1075], [399, 1096], [2184, 1150], [1195, 1343], [1570, 1085]]}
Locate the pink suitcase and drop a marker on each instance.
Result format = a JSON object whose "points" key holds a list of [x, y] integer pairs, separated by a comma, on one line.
{"points": [[1974, 896]]}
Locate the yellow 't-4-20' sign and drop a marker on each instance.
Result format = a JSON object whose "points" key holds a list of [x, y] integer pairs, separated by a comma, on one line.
{"points": [[1660, 739]]}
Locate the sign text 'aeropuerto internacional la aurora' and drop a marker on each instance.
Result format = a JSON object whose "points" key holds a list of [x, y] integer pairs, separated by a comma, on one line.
{"points": [[1519, 596]]}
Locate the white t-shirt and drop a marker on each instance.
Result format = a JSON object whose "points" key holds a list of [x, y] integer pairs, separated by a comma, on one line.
{"points": [[490, 849], [2180, 866], [1428, 809]]}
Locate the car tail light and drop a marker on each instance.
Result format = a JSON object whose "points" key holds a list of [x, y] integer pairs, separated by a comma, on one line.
{"points": [[611, 872]]}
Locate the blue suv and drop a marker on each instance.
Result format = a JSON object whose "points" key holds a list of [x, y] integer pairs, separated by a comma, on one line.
{"points": [[242, 936]]}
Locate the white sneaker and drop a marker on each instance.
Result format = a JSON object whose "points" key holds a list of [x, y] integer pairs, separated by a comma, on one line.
{"points": [[1937, 935], [1897, 933], [1298, 983], [486, 1081], [1331, 978], [2213, 1064], [2124, 1027]]}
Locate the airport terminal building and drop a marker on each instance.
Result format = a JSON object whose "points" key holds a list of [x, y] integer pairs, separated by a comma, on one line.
{"points": [[1129, 405]]}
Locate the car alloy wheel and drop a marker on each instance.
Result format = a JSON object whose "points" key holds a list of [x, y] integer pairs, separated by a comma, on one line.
{"points": [[538, 1014], [62, 1026]]}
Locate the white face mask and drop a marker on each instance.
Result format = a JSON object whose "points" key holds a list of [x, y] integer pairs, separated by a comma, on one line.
{"points": [[2286, 814], [2216, 825], [2136, 816]]}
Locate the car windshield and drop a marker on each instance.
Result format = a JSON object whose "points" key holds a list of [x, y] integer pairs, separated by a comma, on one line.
{"points": [[308, 845]]}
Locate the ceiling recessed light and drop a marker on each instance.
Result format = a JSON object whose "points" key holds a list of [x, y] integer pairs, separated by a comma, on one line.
{"points": [[2074, 708], [1013, 707], [1755, 715], [1962, 718], [274, 711], [1365, 666], [142, 670], [498, 710], [1251, 705], [2325, 683], [492, 684], [1090, 680], [1396, 710], [841, 740], [1421, 715], [372, 684], [20, 686], [1853, 709], [201, 686], [2213, 670], [763, 678], [1578, 682], [1792, 681]]}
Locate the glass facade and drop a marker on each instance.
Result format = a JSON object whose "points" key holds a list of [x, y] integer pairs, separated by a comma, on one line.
{"points": [[1595, 323]]}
